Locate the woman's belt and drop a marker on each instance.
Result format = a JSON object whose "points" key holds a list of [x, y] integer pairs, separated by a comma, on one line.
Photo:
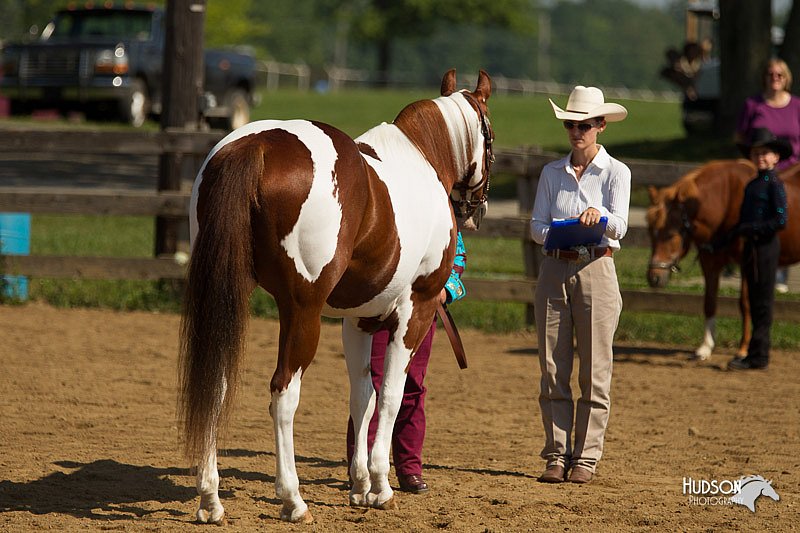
{"points": [[581, 253]]}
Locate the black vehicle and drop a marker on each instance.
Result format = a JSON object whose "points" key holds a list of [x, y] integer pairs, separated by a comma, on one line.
{"points": [[103, 60]]}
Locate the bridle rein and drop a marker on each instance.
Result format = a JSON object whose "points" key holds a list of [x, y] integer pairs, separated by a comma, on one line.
{"points": [[472, 197]]}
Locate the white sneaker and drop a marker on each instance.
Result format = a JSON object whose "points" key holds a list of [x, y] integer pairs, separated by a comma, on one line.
{"points": [[781, 288]]}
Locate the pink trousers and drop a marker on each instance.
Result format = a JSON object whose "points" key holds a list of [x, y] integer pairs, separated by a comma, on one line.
{"points": [[409, 428]]}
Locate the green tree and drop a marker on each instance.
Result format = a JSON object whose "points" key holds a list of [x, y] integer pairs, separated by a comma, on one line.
{"points": [[611, 43], [383, 22], [228, 23]]}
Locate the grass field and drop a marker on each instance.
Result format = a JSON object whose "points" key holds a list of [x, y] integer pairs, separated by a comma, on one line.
{"points": [[652, 130]]}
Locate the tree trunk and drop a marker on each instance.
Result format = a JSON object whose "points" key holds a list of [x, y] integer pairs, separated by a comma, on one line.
{"points": [[790, 49], [182, 89], [745, 45], [384, 62]]}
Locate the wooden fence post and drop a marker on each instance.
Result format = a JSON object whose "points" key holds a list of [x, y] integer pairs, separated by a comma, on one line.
{"points": [[182, 91]]}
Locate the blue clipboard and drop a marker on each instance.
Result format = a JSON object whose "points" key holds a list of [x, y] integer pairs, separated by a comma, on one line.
{"points": [[564, 234]]}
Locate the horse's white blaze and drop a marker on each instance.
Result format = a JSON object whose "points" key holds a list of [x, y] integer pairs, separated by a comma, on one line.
{"points": [[458, 114], [312, 242]]}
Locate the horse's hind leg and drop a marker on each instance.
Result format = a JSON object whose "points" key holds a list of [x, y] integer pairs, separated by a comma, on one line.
{"points": [[747, 325], [357, 349], [207, 480], [298, 343]]}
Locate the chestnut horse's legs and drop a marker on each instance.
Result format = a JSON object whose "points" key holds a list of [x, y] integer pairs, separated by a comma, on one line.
{"points": [[298, 343], [357, 349], [747, 325], [711, 265]]}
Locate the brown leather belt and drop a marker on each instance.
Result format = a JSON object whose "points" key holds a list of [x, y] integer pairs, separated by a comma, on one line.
{"points": [[571, 255]]}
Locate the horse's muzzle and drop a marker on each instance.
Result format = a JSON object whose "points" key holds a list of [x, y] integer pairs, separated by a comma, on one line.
{"points": [[473, 222], [658, 278]]}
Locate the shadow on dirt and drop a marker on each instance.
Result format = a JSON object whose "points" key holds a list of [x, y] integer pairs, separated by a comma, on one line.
{"points": [[103, 489]]}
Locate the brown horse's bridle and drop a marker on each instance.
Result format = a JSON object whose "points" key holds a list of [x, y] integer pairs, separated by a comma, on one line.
{"points": [[471, 198], [685, 233]]}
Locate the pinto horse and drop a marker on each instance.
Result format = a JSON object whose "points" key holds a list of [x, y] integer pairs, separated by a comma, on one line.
{"points": [[360, 229], [701, 208]]}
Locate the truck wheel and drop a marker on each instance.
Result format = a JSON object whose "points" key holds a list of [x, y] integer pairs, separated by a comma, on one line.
{"points": [[238, 111], [135, 108]]}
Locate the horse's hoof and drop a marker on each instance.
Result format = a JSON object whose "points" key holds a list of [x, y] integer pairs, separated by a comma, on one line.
{"points": [[699, 357], [703, 353], [388, 505], [217, 517], [358, 500], [295, 517]]}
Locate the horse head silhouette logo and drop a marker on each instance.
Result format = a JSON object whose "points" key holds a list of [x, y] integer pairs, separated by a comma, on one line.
{"points": [[752, 488]]}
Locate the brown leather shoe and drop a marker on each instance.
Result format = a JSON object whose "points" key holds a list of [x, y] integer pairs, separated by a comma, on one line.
{"points": [[412, 483], [553, 474], [580, 475]]}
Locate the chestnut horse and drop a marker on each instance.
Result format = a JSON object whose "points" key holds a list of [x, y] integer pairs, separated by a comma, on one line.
{"points": [[360, 229], [701, 208]]}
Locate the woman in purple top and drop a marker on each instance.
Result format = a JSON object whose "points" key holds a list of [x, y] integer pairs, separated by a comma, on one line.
{"points": [[775, 109]]}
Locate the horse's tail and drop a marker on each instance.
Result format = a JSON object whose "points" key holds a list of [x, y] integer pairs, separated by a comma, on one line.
{"points": [[216, 305]]}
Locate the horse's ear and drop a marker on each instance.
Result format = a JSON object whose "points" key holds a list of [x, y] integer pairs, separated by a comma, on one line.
{"points": [[653, 193], [484, 89], [449, 82]]}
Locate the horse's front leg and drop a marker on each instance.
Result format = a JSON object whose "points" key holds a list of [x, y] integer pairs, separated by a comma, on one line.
{"points": [[712, 267], [298, 344], [390, 398], [357, 350]]}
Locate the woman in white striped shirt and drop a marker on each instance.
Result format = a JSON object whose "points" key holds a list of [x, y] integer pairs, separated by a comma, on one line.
{"points": [[577, 291]]}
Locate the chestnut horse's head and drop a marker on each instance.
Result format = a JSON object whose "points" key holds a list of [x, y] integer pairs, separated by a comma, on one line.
{"points": [[670, 220]]}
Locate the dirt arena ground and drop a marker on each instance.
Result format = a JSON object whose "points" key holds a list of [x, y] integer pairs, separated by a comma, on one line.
{"points": [[89, 440]]}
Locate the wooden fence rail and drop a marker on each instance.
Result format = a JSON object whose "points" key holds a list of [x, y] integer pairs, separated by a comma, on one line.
{"points": [[525, 163]]}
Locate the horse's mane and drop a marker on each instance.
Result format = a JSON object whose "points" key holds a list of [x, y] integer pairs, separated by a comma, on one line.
{"points": [[749, 479]]}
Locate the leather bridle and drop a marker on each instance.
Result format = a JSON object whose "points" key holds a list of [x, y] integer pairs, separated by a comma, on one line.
{"points": [[472, 197]]}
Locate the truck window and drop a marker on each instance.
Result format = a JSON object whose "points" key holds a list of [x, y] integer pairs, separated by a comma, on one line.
{"points": [[116, 24]]}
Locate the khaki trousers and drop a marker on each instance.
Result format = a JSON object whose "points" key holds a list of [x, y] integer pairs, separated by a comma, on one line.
{"points": [[584, 299]]}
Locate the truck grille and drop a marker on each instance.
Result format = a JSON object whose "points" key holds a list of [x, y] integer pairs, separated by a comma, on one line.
{"points": [[42, 66]]}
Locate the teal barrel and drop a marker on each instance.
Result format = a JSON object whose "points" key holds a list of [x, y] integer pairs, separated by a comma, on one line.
{"points": [[15, 239]]}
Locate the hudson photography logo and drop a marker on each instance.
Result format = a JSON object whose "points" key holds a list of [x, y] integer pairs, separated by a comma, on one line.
{"points": [[743, 491]]}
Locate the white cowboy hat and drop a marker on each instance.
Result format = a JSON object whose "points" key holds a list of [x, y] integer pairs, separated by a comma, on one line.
{"points": [[587, 102]]}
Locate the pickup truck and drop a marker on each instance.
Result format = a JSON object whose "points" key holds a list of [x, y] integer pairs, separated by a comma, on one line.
{"points": [[108, 60]]}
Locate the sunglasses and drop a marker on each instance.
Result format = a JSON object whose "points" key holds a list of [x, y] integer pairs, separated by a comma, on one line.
{"points": [[582, 126]]}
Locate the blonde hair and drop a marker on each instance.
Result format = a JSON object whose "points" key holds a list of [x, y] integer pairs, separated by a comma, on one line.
{"points": [[781, 64]]}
